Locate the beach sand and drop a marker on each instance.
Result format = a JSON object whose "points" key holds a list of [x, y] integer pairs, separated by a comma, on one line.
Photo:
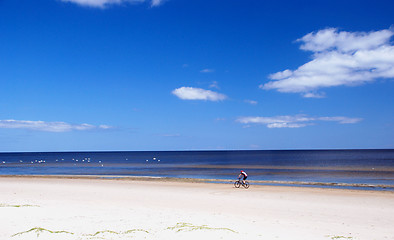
{"points": [[92, 208]]}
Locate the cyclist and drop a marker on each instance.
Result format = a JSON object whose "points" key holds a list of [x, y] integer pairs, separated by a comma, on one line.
{"points": [[244, 175]]}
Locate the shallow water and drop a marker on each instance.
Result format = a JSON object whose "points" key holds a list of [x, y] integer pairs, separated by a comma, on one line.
{"points": [[357, 167]]}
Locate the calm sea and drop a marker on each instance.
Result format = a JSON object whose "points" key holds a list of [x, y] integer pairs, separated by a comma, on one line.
{"points": [[332, 168]]}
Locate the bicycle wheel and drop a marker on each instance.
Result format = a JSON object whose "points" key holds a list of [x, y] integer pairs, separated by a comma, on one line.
{"points": [[237, 184], [246, 185]]}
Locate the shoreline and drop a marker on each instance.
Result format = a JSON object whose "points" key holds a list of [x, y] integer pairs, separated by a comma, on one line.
{"points": [[302, 184]]}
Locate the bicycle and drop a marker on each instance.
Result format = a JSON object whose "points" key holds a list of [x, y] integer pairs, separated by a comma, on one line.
{"points": [[239, 182]]}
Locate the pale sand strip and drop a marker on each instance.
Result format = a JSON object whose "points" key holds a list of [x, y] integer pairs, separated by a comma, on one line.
{"points": [[354, 186], [66, 208]]}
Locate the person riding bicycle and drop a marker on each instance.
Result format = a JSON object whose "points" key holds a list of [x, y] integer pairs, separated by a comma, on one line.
{"points": [[244, 175]]}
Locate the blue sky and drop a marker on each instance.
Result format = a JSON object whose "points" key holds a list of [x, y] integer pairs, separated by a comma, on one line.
{"points": [[87, 75]]}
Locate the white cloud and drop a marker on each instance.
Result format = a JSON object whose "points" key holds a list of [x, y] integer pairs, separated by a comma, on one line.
{"points": [[296, 121], [48, 126], [331, 39], [207, 70], [190, 93], [106, 3], [339, 59]]}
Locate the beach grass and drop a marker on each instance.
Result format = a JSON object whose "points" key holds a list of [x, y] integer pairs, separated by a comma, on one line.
{"points": [[190, 227], [117, 233], [98, 234], [17, 205], [39, 230], [340, 238], [104, 234]]}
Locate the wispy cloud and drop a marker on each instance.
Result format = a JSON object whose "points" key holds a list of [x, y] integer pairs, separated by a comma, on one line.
{"points": [[190, 93], [220, 119], [156, 3], [106, 3], [214, 84], [296, 121], [339, 58], [173, 135], [49, 126], [207, 70], [314, 95], [342, 120], [251, 102]]}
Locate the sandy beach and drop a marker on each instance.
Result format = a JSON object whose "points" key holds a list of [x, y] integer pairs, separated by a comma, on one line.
{"points": [[91, 208]]}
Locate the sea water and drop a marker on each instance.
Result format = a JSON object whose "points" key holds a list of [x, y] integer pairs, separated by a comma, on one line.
{"points": [[317, 167]]}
